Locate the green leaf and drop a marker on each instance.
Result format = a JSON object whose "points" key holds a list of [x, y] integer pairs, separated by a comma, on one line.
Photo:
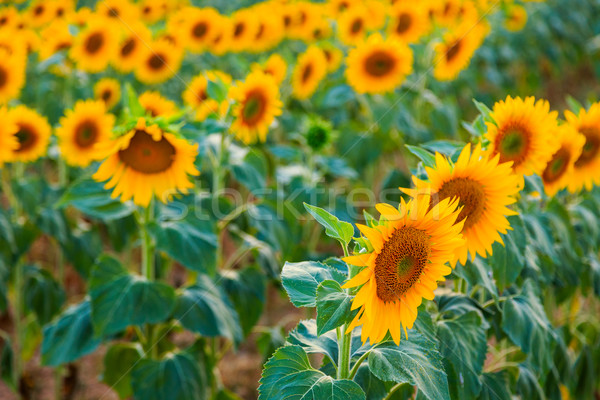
{"points": [[305, 335], [415, 361], [425, 156], [494, 386], [485, 111], [334, 228], [246, 289], [119, 361], [70, 336], [301, 280], [446, 147], [249, 168], [216, 90], [90, 197], [333, 306], [573, 104], [288, 375], [43, 294], [203, 308], [120, 299], [132, 102], [176, 377], [508, 261]]}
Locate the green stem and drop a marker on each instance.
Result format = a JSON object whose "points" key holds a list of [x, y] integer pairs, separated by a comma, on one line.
{"points": [[18, 315], [344, 340], [393, 390], [218, 185], [358, 364], [148, 270]]}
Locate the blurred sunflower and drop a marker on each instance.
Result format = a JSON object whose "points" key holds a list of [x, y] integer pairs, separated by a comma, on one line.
{"points": [[516, 18], [39, 13], [131, 48], [12, 76], [305, 17], [8, 139], [377, 12], [309, 71], [196, 95], [378, 65], [199, 28], [33, 133], [454, 53], [81, 129], [586, 171], [243, 30], [219, 44], [411, 246], [118, 10], [151, 11], [337, 7], [80, 17], [484, 188], [333, 56], [269, 30], [257, 103], [352, 25], [95, 46], [159, 62], [559, 170], [321, 30], [9, 16], [147, 162], [156, 105], [109, 91], [55, 37], [274, 66], [408, 23], [521, 133]]}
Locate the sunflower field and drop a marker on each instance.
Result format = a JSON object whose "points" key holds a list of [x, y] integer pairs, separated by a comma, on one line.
{"points": [[300, 200]]}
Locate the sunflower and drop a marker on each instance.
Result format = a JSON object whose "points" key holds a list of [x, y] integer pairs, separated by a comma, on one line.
{"points": [[338, 7], [81, 128], [378, 65], [310, 70], [55, 37], [62, 8], [12, 76], [352, 25], [377, 11], [156, 105], [559, 170], [520, 132], [411, 246], [8, 139], [33, 133], [484, 187], [95, 46], [131, 48], [39, 13], [8, 17], [269, 30], [109, 91], [243, 30], [159, 62], [587, 167], [454, 53], [408, 23], [333, 56], [516, 18], [305, 17], [147, 162], [80, 16], [196, 95], [274, 66], [199, 28], [257, 103], [152, 11], [118, 10]]}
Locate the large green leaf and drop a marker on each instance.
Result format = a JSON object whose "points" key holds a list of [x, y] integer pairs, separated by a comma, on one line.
{"points": [[119, 361], [425, 156], [508, 261], [495, 386], [248, 167], [120, 299], [288, 375], [305, 335], [246, 289], [43, 294], [301, 280], [415, 361], [70, 336], [333, 306], [477, 272], [334, 228], [176, 377]]}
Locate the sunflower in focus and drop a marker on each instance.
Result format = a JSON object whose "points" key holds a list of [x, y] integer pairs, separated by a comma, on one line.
{"points": [[257, 103], [586, 171], [309, 71], [411, 246], [559, 170], [147, 162], [95, 46], [159, 63], [109, 91], [516, 18], [199, 28], [454, 53], [196, 95], [408, 23], [8, 139], [12, 76], [484, 187], [156, 105], [131, 47], [33, 133], [521, 133], [274, 66], [352, 25], [333, 56], [81, 129], [378, 65]]}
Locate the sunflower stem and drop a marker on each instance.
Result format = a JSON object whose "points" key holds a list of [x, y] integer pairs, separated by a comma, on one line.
{"points": [[393, 390], [344, 338], [358, 364], [148, 270]]}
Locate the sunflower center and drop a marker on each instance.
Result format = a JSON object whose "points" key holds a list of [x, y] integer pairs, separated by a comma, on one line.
{"points": [[113, 12], [379, 64], [254, 107], [287, 20], [106, 95], [27, 138], [3, 21], [306, 73], [146, 155], [3, 77], [38, 10], [404, 23], [60, 12], [401, 261], [86, 134], [512, 144], [239, 29], [261, 30], [94, 42], [591, 148], [557, 166], [200, 30], [453, 50], [128, 47], [147, 10], [356, 25], [156, 62], [471, 197]]}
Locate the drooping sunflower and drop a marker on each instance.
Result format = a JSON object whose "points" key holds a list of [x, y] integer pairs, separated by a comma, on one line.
{"points": [[352, 25], [243, 30], [109, 91], [274, 66], [257, 103], [408, 23], [411, 246], [95, 46], [33, 133], [559, 170], [521, 133], [8, 139], [587, 166], [131, 48], [378, 65], [309, 71], [516, 18], [81, 129], [147, 162], [160, 61], [12, 76], [484, 187], [199, 28], [156, 105], [196, 95]]}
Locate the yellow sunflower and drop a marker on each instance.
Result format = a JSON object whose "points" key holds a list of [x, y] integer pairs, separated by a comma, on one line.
{"points": [[586, 171], [131, 48], [8, 139], [156, 105], [109, 91], [521, 133], [516, 18], [411, 246], [333, 55], [39, 13], [484, 188], [159, 62], [309, 71], [12, 76], [257, 103], [219, 44], [81, 129], [147, 162], [243, 30], [33, 133], [63, 8], [274, 66], [408, 23], [196, 95], [269, 30], [377, 11], [55, 37], [199, 28], [8, 17], [305, 17], [118, 10], [352, 25], [378, 65], [152, 11], [559, 170], [95, 46]]}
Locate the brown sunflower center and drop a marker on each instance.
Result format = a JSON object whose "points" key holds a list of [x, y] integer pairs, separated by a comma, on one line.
{"points": [[356, 26], [471, 197], [113, 12], [557, 166], [106, 95], [513, 144], [453, 50], [3, 21], [128, 47], [591, 148], [254, 107], [403, 258], [261, 30], [27, 137], [60, 12], [3, 77], [239, 29], [307, 73], [200, 30], [146, 155], [379, 64], [404, 23], [86, 134], [156, 62], [287, 20], [94, 42], [147, 10], [39, 10]]}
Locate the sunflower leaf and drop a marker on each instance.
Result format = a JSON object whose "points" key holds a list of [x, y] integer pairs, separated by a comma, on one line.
{"points": [[301, 280], [485, 111], [425, 156], [334, 228], [333, 306]]}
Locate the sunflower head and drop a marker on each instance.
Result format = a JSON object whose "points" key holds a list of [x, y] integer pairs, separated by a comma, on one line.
{"points": [[516, 18], [12, 75], [156, 105], [585, 170], [196, 95], [309, 71], [318, 134], [159, 62], [131, 47], [95, 45], [109, 91], [408, 23], [352, 25], [8, 139], [559, 170], [33, 134]]}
